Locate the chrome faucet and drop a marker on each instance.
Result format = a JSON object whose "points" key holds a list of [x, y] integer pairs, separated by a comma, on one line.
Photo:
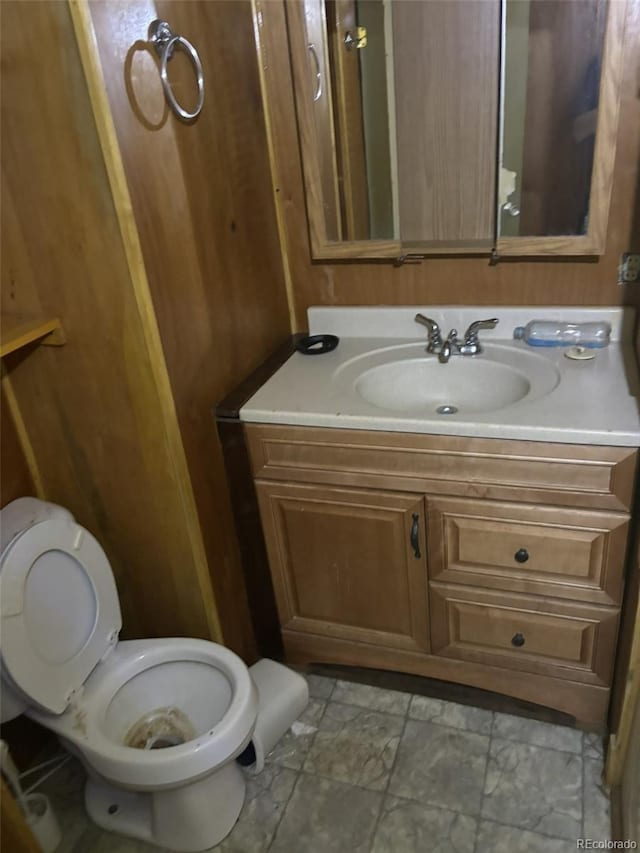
{"points": [[469, 345], [449, 347]]}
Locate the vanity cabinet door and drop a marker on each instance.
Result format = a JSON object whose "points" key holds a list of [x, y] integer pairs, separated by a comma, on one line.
{"points": [[348, 564]]}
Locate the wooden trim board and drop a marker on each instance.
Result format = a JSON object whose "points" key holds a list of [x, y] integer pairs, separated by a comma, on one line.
{"points": [[85, 35], [585, 702], [18, 332]]}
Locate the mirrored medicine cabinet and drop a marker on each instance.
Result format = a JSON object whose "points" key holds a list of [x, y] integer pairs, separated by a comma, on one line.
{"points": [[456, 126]]}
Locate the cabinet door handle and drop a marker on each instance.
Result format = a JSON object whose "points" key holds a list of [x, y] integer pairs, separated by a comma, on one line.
{"points": [[521, 555], [415, 535], [517, 640], [318, 73]]}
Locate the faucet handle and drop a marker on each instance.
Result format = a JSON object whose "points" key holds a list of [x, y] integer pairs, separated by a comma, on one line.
{"points": [[435, 337], [471, 335]]}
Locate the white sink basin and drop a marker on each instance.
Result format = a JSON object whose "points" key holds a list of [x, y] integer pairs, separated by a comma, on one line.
{"points": [[405, 379], [380, 378]]}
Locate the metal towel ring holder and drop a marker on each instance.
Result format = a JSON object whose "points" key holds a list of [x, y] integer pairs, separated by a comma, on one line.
{"points": [[164, 40]]}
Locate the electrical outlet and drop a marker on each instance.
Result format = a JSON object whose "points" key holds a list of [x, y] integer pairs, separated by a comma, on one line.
{"points": [[629, 269]]}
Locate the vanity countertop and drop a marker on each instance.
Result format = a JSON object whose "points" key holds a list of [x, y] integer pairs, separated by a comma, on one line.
{"points": [[588, 402]]}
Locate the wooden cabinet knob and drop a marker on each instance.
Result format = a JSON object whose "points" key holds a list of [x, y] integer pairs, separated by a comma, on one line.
{"points": [[521, 555], [517, 640]]}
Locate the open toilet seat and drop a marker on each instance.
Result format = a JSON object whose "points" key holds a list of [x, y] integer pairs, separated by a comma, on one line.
{"points": [[54, 567]]}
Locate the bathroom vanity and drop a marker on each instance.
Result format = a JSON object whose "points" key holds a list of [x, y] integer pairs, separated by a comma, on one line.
{"points": [[485, 547]]}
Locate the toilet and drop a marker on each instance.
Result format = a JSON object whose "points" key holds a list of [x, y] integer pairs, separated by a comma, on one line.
{"points": [[158, 724]]}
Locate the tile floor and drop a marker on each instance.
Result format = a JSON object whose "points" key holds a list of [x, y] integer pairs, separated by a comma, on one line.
{"points": [[368, 770]]}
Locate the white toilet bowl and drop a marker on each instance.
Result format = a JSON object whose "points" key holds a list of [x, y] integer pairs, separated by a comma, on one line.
{"points": [[156, 723]]}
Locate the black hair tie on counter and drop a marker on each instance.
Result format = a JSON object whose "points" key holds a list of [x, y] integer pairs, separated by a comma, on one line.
{"points": [[317, 344]]}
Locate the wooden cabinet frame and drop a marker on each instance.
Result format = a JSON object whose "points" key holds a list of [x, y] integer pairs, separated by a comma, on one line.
{"points": [[556, 491], [280, 82]]}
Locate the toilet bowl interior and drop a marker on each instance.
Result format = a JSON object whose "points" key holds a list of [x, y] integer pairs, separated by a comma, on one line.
{"points": [[168, 705]]}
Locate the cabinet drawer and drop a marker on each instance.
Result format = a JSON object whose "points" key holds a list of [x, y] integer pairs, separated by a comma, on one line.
{"points": [[574, 641], [566, 553]]}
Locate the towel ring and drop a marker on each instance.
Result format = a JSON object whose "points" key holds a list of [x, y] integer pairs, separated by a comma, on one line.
{"points": [[164, 40]]}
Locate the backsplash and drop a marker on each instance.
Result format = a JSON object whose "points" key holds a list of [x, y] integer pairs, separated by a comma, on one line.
{"points": [[370, 322]]}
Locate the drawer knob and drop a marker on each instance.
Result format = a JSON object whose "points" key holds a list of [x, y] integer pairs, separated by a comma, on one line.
{"points": [[517, 640], [521, 555]]}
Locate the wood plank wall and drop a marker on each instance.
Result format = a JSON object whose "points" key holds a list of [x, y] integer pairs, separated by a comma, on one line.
{"points": [[461, 280], [15, 478], [203, 202], [16, 835], [24, 737], [92, 408], [630, 787]]}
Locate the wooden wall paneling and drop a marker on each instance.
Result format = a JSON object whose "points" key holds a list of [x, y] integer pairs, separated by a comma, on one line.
{"points": [[14, 830], [454, 280], [16, 479], [625, 706], [626, 692], [630, 785], [199, 583], [97, 420], [203, 203], [265, 57]]}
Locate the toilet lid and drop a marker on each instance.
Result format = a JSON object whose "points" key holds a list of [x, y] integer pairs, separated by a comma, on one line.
{"points": [[60, 610]]}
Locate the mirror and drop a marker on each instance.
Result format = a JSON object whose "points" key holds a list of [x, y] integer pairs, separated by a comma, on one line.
{"points": [[552, 66], [405, 94], [443, 126]]}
